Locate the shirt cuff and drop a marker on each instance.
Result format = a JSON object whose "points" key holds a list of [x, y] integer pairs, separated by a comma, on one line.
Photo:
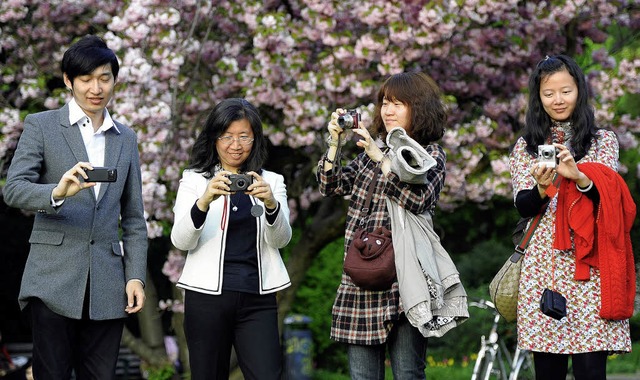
{"points": [[197, 216], [55, 203], [137, 279]]}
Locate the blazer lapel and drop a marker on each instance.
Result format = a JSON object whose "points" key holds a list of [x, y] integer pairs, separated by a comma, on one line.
{"points": [[73, 136]]}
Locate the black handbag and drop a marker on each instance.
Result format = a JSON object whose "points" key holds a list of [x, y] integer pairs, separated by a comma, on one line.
{"points": [[553, 304]]}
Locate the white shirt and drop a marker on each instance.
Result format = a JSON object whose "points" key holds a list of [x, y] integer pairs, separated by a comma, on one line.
{"points": [[94, 141]]}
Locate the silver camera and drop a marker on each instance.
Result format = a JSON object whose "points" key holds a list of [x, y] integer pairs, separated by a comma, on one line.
{"points": [[349, 120], [240, 182], [547, 156]]}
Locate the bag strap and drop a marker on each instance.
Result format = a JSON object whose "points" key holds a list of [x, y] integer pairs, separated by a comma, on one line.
{"points": [[528, 234], [372, 186], [369, 199]]}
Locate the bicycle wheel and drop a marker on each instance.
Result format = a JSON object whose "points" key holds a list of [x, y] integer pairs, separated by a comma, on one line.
{"points": [[484, 365], [522, 368], [475, 375]]}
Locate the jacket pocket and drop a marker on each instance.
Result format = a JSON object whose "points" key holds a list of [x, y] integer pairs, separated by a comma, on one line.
{"points": [[46, 237], [116, 248]]}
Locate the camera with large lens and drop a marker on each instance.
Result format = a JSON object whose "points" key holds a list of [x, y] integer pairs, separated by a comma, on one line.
{"points": [[240, 182], [349, 120], [547, 155]]}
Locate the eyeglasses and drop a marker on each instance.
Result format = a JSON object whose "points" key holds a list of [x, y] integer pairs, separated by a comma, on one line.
{"points": [[228, 140]]}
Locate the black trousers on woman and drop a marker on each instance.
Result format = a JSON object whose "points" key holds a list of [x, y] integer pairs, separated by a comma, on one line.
{"points": [[586, 366], [248, 322]]}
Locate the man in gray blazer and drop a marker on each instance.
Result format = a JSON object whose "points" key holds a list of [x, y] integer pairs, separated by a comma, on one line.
{"points": [[87, 262]]}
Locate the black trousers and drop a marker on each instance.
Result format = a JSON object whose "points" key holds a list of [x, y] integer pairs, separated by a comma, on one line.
{"points": [[586, 366], [61, 344], [248, 322]]}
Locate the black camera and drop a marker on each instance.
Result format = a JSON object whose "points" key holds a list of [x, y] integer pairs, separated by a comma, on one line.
{"points": [[240, 182], [547, 155], [102, 175], [349, 119]]}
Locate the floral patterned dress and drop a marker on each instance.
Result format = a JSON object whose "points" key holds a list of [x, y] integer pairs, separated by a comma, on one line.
{"points": [[582, 330]]}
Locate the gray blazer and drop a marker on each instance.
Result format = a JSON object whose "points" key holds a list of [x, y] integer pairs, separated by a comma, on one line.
{"points": [[80, 239]]}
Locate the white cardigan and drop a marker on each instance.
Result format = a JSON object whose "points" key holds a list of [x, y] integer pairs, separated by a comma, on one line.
{"points": [[206, 245]]}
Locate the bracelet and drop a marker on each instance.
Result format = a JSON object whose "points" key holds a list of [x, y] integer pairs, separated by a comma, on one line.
{"points": [[338, 144], [335, 159], [584, 189], [266, 209]]}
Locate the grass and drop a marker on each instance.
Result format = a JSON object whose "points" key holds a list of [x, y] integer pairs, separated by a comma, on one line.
{"points": [[448, 369], [626, 363]]}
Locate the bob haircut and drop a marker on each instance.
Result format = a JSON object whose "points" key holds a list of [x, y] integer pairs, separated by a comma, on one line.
{"points": [[86, 55], [421, 94], [204, 155], [538, 123]]}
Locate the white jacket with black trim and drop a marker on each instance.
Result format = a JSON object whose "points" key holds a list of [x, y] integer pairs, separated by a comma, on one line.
{"points": [[206, 245]]}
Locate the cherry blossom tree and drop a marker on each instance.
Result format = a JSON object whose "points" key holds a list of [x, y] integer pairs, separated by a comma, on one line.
{"points": [[298, 60]]}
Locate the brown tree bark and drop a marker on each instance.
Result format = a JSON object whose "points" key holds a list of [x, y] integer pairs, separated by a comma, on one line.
{"points": [[150, 346]]}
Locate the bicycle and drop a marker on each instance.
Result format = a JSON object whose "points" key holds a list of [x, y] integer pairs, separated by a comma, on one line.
{"points": [[495, 359]]}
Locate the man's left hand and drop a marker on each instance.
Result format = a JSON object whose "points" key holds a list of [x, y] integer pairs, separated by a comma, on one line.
{"points": [[135, 296]]}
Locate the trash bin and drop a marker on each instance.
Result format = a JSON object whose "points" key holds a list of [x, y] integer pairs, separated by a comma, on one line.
{"points": [[298, 345]]}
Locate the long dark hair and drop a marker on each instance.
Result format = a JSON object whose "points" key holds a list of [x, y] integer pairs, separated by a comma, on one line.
{"points": [[423, 97], [538, 123], [204, 155]]}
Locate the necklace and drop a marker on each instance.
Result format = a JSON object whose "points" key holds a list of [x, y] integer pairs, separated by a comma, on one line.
{"points": [[234, 207]]}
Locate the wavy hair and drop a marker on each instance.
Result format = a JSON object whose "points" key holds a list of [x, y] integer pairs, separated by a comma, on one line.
{"points": [[428, 113], [204, 155], [538, 123]]}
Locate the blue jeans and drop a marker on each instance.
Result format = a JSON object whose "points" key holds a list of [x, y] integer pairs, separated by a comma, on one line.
{"points": [[407, 351]]}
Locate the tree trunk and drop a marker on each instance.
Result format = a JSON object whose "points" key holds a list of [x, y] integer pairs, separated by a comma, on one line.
{"points": [[150, 346], [327, 225]]}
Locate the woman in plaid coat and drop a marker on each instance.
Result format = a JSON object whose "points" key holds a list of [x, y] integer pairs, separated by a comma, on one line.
{"points": [[368, 321]]}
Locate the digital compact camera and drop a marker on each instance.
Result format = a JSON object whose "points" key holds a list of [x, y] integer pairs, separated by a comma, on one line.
{"points": [[240, 182], [349, 120], [547, 156], [102, 175]]}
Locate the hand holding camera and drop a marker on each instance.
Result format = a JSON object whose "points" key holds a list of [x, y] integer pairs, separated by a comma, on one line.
{"points": [[343, 119], [558, 158]]}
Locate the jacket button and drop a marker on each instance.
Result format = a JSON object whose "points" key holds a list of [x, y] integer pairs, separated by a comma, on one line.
{"points": [[91, 241]]}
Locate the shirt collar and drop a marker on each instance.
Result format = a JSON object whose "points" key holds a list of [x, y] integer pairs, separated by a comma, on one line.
{"points": [[77, 115]]}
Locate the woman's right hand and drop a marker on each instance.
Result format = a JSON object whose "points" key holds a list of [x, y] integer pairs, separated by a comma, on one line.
{"points": [[333, 127], [217, 186], [543, 175]]}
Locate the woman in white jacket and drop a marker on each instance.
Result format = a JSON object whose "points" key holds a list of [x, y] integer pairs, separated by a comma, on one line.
{"points": [[232, 217]]}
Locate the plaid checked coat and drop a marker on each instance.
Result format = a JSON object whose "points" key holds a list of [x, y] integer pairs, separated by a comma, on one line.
{"points": [[361, 316]]}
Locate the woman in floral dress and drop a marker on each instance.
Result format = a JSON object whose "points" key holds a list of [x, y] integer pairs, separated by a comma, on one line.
{"points": [[596, 322]]}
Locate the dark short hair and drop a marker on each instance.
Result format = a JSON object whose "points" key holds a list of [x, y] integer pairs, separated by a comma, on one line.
{"points": [[204, 156], [86, 55], [538, 122], [426, 107]]}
